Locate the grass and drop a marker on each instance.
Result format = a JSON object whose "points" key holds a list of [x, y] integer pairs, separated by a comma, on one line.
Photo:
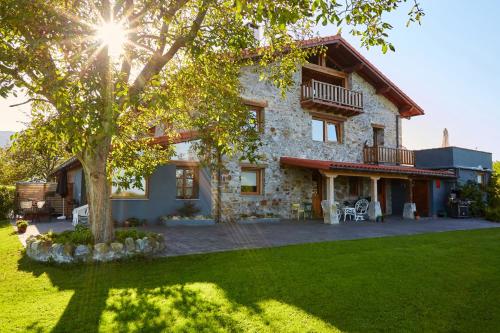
{"points": [[443, 282]]}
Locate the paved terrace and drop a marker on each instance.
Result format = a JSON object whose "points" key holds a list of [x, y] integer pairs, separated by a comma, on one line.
{"points": [[183, 240]]}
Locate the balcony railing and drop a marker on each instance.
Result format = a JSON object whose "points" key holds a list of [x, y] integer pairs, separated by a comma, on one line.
{"points": [[381, 155], [331, 96]]}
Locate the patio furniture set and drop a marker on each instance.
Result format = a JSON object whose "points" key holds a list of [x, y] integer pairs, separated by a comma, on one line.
{"points": [[356, 211], [35, 209]]}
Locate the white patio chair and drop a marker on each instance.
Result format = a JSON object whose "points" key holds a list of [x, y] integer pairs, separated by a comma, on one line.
{"points": [[80, 215], [361, 208]]}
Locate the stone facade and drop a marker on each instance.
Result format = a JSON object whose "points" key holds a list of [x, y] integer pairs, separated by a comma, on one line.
{"points": [[287, 132]]}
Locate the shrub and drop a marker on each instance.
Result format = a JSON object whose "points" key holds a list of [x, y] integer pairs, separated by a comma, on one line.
{"points": [[473, 192], [21, 226], [81, 235], [121, 235], [493, 214], [7, 194], [188, 209]]}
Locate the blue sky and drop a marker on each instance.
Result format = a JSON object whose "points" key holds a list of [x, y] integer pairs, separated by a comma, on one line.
{"points": [[448, 65]]}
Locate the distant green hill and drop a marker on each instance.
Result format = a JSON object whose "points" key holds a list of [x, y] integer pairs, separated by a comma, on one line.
{"points": [[5, 138]]}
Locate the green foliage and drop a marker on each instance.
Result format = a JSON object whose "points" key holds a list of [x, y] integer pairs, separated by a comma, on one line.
{"points": [[81, 235], [21, 225], [7, 195], [476, 194], [188, 209], [493, 209], [122, 234]]}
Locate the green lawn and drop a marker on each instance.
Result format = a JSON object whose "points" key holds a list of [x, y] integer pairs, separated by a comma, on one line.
{"points": [[436, 282]]}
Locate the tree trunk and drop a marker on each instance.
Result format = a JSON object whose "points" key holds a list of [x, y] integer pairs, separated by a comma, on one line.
{"points": [[98, 195]]}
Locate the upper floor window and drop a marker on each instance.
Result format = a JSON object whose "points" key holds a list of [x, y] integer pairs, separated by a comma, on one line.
{"points": [[256, 118], [481, 178], [186, 182], [326, 130], [378, 135]]}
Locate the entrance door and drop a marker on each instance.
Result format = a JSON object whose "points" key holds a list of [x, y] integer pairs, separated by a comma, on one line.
{"points": [[421, 196], [381, 194], [317, 194]]}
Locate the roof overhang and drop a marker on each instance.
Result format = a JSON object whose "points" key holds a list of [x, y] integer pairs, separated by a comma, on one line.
{"points": [[349, 60], [360, 169]]}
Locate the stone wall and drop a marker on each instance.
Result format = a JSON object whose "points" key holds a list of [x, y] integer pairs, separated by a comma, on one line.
{"points": [[287, 132]]}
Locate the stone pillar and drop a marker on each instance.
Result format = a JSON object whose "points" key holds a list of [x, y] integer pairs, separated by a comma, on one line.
{"points": [[374, 210], [410, 207], [331, 216]]}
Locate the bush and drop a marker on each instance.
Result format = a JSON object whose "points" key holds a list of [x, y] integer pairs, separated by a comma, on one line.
{"points": [[493, 214], [7, 194], [21, 226], [473, 192], [121, 235], [188, 209], [81, 235]]}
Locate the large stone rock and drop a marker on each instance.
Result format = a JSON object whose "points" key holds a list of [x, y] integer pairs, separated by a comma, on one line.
{"points": [[143, 245], [40, 250], [82, 253], [129, 245], [117, 250], [101, 252], [61, 253]]}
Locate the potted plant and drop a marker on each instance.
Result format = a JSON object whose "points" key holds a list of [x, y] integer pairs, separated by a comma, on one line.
{"points": [[21, 225]]}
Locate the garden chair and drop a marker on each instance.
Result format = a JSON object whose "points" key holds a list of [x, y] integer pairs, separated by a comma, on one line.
{"points": [[26, 208], [361, 208], [81, 215], [298, 209]]}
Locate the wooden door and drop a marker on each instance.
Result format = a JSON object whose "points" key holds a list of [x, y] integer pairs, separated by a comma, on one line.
{"points": [[317, 194], [381, 194], [421, 196]]}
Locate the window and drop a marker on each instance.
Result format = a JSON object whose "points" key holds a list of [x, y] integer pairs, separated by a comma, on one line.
{"points": [[186, 179], [251, 181], [378, 136], [481, 179], [132, 192], [326, 130], [256, 118]]}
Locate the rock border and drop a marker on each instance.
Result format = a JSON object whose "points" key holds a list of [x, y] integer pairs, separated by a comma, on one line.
{"points": [[46, 250]]}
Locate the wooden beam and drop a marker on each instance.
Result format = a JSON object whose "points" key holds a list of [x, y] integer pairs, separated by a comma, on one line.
{"points": [[382, 90], [405, 109], [354, 68], [255, 102], [325, 70], [363, 174]]}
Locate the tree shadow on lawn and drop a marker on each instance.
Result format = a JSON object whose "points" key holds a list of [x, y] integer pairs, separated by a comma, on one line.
{"points": [[350, 286]]}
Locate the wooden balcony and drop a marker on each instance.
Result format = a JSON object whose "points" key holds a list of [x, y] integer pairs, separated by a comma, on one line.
{"points": [[384, 155], [329, 97]]}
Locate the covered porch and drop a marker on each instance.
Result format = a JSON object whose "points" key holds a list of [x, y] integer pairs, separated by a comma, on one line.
{"points": [[389, 190]]}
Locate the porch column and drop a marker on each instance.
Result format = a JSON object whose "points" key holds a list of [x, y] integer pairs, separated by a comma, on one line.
{"points": [[410, 207], [374, 210], [331, 213]]}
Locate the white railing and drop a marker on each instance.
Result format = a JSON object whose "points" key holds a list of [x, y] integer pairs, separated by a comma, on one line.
{"points": [[329, 93]]}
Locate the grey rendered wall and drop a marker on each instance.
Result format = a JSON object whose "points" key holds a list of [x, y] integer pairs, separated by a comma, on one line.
{"points": [[439, 196], [467, 158], [434, 158], [162, 197]]}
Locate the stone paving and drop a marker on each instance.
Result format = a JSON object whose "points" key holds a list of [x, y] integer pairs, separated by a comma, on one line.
{"points": [[183, 240]]}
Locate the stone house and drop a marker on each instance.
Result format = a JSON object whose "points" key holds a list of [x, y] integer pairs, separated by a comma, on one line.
{"points": [[336, 136]]}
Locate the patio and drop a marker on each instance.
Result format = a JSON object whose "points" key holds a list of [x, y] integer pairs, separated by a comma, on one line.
{"points": [[184, 240]]}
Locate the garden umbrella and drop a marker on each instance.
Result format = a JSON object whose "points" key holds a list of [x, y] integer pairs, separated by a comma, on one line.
{"points": [[62, 189]]}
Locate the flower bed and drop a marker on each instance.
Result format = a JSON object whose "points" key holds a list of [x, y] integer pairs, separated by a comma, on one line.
{"points": [[78, 246]]}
